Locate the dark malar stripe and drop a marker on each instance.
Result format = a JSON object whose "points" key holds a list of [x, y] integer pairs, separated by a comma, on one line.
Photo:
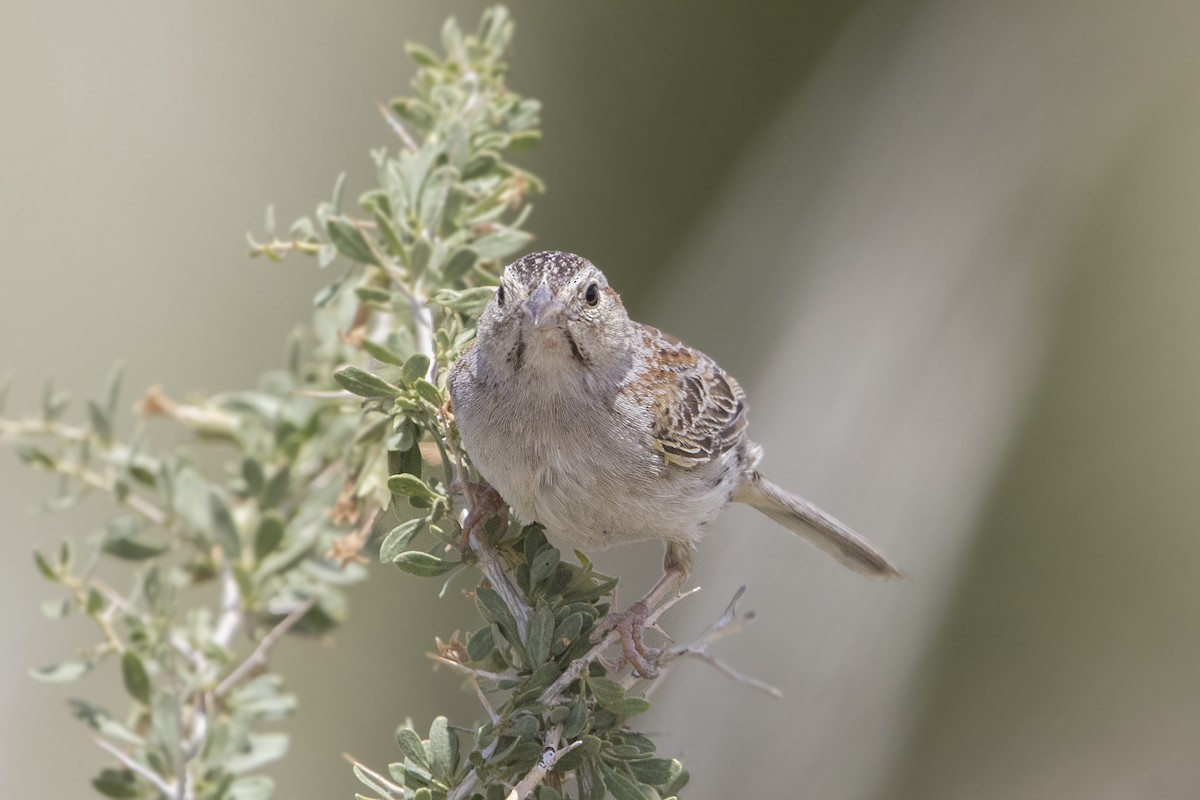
{"points": [[575, 350], [517, 356]]}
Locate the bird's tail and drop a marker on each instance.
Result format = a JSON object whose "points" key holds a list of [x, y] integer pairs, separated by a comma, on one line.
{"points": [[803, 518]]}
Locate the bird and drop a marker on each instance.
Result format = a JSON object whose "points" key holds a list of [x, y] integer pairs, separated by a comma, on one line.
{"points": [[605, 431]]}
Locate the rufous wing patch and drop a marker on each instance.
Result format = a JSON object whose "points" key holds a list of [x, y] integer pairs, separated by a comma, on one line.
{"points": [[698, 411]]}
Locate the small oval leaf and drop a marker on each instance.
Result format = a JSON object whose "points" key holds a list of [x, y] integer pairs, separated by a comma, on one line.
{"points": [[399, 537], [409, 485], [423, 565], [416, 368], [364, 384], [61, 673], [137, 681]]}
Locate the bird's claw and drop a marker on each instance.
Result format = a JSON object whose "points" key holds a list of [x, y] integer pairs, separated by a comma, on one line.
{"points": [[630, 626], [485, 503]]}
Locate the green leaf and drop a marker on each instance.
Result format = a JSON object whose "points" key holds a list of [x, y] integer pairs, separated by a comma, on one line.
{"points": [[470, 302], [276, 488], [62, 673], [404, 437], [422, 55], [95, 602], [543, 566], [423, 565], [119, 783], [481, 644], [419, 258], [382, 353], [262, 749], [374, 295], [428, 392], [99, 719], [541, 635], [409, 486], [416, 368], [252, 787], [364, 384], [399, 537], [137, 681], [44, 566], [34, 456], [630, 707], [501, 244], [576, 719], [350, 241], [224, 529], [443, 749], [101, 424], [366, 780], [132, 547], [460, 263], [678, 782], [492, 608], [607, 692], [622, 788], [412, 747], [252, 474], [268, 536], [656, 771], [53, 403], [480, 164]]}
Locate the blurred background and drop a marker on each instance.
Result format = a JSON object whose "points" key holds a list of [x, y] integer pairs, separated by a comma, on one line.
{"points": [[949, 249]]}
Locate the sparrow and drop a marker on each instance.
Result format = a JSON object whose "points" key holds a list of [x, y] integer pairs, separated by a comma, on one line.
{"points": [[607, 431]]}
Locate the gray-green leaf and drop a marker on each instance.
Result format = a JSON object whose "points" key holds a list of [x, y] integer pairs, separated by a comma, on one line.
{"points": [[417, 367], [443, 748], [62, 673], [399, 537], [409, 485], [364, 384], [350, 241], [268, 536], [541, 635], [423, 565], [412, 746], [225, 530], [137, 681]]}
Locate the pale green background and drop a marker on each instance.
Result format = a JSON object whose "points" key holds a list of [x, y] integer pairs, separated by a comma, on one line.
{"points": [[950, 250]]}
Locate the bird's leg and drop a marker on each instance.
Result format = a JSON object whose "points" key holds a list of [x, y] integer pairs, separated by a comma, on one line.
{"points": [[630, 624], [483, 503]]}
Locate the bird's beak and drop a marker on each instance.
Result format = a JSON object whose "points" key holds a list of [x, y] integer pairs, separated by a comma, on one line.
{"points": [[542, 309]]}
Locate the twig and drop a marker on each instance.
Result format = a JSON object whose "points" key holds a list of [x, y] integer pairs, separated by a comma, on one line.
{"points": [[496, 575], [729, 622], [471, 671], [577, 667], [392, 789], [258, 659], [464, 789], [165, 787], [397, 126], [473, 676], [753, 683], [550, 757]]}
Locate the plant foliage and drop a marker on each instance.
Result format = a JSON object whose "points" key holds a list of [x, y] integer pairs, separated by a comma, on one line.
{"points": [[350, 443]]}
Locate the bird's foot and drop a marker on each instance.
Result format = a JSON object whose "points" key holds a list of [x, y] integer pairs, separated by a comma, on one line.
{"points": [[484, 503], [630, 626]]}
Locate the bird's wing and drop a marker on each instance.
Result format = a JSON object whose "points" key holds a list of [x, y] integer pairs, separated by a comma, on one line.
{"points": [[697, 411]]}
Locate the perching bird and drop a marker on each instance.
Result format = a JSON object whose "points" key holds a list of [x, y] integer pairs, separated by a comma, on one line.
{"points": [[605, 430]]}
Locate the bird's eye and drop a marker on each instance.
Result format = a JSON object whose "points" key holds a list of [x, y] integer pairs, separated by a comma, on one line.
{"points": [[592, 295], [500, 296]]}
